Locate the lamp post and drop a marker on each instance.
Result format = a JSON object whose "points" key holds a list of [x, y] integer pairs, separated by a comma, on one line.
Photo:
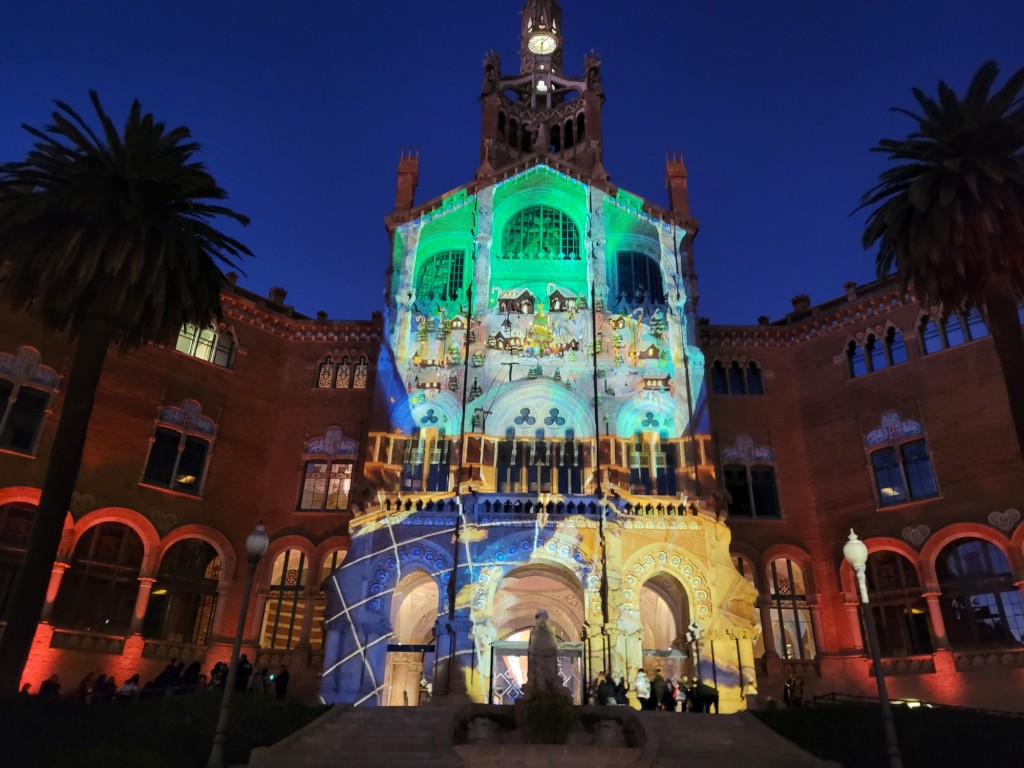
{"points": [[856, 554], [255, 545]]}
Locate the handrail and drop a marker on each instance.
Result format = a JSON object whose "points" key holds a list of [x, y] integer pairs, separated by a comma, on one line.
{"points": [[835, 697]]}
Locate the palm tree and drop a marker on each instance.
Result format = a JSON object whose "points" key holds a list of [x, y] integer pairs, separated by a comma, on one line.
{"points": [[950, 217], [107, 237]]}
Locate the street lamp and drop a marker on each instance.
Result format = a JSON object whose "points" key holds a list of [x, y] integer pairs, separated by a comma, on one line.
{"points": [[255, 545], [856, 554]]}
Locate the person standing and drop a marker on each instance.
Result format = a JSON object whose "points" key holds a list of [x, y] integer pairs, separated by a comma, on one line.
{"points": [[243, 674], [659, 689], [642, 686], [281, 683]]}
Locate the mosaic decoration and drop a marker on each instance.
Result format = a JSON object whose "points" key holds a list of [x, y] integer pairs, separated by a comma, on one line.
{"points": [[746, 451], [916, 535], [188, 417], [893, 429], [1004, 521], [332, 443]]}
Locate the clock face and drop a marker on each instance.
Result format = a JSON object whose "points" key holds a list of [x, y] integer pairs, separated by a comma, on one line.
{"points": [[542, 44]]}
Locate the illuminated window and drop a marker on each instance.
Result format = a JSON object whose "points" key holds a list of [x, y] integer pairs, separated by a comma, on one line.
{"points": [[441, 277], [99, 590], [285, 607], [15, 526], [981, 605], [326, 485], [752, 490], [652, 466], [791, 615], [427, 462], [901, 614], [362, 373], [541, 233], [639, 278], [217, 347], [184, 597], [570, 464], [903, 473]]}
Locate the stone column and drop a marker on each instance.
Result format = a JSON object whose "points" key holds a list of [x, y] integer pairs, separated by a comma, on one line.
{"points": [[764, 606], [216, 627], [141, 603], [308, 609], [815, 610], [938, 623], [748, 674], [56, 575]]}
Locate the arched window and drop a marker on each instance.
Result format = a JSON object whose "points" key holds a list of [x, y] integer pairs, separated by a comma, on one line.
{"points": [[541, 233], [581, 127], [441, 277], [427, 465], [334, 372], [209, 344], [501, 123], [327, 472], [895, 349], [856, 363], [568, 131], [981, 605], [719, 383], [513, 133], [179, 451], [330, 564], [570, 465], [362, 374], [99, 589], [184, 596], [876, 356], [901, 614], [15, 526], [286, 601], [737, 379], [928, 331], [976, 327], [755, 379], [953, 330], [791, 615], [639, 278]]}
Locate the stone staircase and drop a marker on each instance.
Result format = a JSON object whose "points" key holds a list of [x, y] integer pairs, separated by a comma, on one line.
{"points": [[420, 737]]}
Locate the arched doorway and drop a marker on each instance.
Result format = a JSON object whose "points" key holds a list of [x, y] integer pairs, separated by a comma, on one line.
{"points": [[184, 597], [414, 610], [665, 616], [521, 594]]}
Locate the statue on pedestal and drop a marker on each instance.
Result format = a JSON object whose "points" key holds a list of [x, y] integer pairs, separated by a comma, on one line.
{"points": [[542, 660]]}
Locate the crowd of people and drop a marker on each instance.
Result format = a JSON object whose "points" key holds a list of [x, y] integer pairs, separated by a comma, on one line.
{"points": [[657, 693], [175, 679]]}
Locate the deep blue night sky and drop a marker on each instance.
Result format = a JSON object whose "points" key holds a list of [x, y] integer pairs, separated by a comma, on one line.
{"points": [[302, 109]]}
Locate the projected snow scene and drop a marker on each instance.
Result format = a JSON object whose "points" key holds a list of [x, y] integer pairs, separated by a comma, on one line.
{"points": [[541, 435]]}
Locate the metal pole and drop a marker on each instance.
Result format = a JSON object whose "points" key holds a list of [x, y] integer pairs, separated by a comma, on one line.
{"points": [[892, 746], [221, 736]]}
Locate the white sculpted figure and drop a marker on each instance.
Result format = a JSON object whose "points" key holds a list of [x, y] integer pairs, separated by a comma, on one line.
{"points": [[542, 668]]}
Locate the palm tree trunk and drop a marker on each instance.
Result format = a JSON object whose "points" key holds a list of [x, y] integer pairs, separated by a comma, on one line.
{"points": [[29, 593], [1005, 326]]}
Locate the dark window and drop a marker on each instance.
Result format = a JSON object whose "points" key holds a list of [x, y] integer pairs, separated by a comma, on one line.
{"points": [[540, 232], [176, 461], [15, 526], [856, 363], [570, 466], [441, 277], [901, 615], [895, 348], [184, 597], [639, 467], [981, 605], [737, 379], [931, 340], [538, 468], [326, 484], [752, 490], [99, 590], [20, 421], [903, 474], [976, 327], [953, 330], [755, 379], [875, 353], [639, 278], [719, 383]]}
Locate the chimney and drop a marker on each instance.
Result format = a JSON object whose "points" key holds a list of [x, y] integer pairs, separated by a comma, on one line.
{"points": [[801, 305], [850, 288], [277, 294], [675, 181], [408, 177]]}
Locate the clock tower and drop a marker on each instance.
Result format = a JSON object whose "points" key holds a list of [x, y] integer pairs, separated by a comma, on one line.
{"points": [[541, 110]]}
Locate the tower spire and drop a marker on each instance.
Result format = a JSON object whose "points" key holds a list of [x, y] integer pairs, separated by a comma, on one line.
{"points": [[541, 38]]}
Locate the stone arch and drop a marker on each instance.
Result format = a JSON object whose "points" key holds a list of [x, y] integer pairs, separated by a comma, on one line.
{"points": [[847, 577], [798, 556], [413, 581], [547, 406], [1017, 549], [214, 538], [23, 494], [327, 547], [940, 539], [753, 558], [142, 526], [671, 590], [668, 558], [387, 569], [277, 546]]}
